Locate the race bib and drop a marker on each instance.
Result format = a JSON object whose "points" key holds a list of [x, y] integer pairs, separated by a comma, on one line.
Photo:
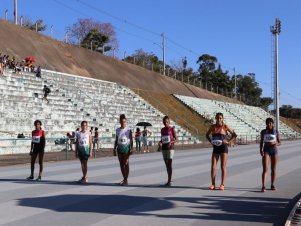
{"points": [[165, 139], [36, 139], [269, 138], [123, 140]]}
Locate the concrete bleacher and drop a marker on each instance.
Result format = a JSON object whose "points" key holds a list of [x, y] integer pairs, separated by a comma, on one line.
{"points": [[72, 99], [243, 119]]}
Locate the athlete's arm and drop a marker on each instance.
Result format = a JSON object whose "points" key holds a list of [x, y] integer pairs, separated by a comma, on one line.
{"points": [[115, 145], [150, 132], [76, 145], [175, 140], [44, 140], [208, 134], [261, 143], [233, 134], [278, 139], [90, 143]]}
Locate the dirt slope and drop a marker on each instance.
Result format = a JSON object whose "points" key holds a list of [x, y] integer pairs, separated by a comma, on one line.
{"points": [[54, 55]]}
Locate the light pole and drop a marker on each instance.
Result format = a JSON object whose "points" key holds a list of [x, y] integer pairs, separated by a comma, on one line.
{"points": [[163, 51], [5, 14], [235, 88], [21, 21], [16, 11], [276, 29], [124, 55], [51, 30]]}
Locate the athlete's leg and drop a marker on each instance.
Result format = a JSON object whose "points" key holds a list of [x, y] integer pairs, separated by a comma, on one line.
{"points": [[169, 170], [214, 160], [265, 168], [84, 164], [274, 160], [32, 163], [41, 158], [126, 167], [121, 163], [224, 158]]}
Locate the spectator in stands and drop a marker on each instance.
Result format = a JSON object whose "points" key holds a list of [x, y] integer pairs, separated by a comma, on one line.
{"points": [[123, 146], [138, 140], [220, 144], [168, 139], [83, 149], [91, 129], [145, 134], [96, 139], [70, 137], [37, 149], [18, 68], [269, 142], [38, 72], [46, 92]]}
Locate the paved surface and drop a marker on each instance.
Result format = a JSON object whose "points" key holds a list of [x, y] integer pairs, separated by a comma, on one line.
{"points": [[60, 201]]}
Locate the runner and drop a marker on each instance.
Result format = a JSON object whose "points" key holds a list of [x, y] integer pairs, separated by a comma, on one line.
{"points": [[83, 149], [37, 149], [138, 140], [168, 139], [145, 134], [123, 146], [220, 144], [269, 141]]}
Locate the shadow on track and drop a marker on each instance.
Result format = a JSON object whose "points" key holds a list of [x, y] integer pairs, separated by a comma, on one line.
{"points": [[222, 208]]}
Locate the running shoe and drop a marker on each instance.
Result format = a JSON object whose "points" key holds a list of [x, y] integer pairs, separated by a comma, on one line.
{"points": [[212, 187], [124, 183], [83, 180], [168, 184], [39, 178], [222, 187], [29, 178], [263, 189], [273, 188]]}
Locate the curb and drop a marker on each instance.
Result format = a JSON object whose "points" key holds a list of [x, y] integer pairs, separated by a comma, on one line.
{"points": [[292, 213]]}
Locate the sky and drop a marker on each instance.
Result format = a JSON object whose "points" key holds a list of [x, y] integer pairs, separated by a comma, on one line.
{"points": [[237, 32]]}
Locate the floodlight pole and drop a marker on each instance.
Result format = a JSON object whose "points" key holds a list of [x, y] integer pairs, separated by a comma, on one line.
{"points": [[276, 31]]}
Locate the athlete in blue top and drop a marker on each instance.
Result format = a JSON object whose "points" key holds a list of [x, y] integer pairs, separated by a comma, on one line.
{"points": [[270, 140]]}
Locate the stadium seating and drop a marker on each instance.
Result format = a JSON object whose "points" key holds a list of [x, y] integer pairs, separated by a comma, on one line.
{"points": [[72, 99], [245, 120]]}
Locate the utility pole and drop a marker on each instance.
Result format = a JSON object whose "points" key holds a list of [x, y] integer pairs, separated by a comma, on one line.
{"points": [[5, 14], [113, 52], [276, 31], [16, 12], [21, 21], [163, 51], [51, 31], [124, 55], [66, 37], [235, 85], [36, 26]]}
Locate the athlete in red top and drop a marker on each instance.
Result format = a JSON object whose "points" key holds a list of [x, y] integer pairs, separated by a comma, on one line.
{"points": [[37, 149]]}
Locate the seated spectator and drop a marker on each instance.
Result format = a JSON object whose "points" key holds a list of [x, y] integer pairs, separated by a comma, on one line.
{"points": [[46, 92]]}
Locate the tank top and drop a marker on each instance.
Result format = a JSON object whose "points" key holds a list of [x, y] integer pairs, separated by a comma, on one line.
{"points": [[83, 142], [123, 139], [167, 136], [219, 132], [270, 137], [137, 134], [38, 140]]}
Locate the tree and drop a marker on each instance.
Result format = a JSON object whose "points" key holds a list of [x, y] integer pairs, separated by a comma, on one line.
{"points": [[265, 102], [96, 41], [206, 67], [249, 89], [80, 29], [38, 25]]}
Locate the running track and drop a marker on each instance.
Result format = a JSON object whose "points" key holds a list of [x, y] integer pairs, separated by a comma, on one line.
{"points": [[59, 201]]}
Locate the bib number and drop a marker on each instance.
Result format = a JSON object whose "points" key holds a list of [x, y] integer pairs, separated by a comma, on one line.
{"points": [[165, 139], [123, 140], [36, 139]]}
